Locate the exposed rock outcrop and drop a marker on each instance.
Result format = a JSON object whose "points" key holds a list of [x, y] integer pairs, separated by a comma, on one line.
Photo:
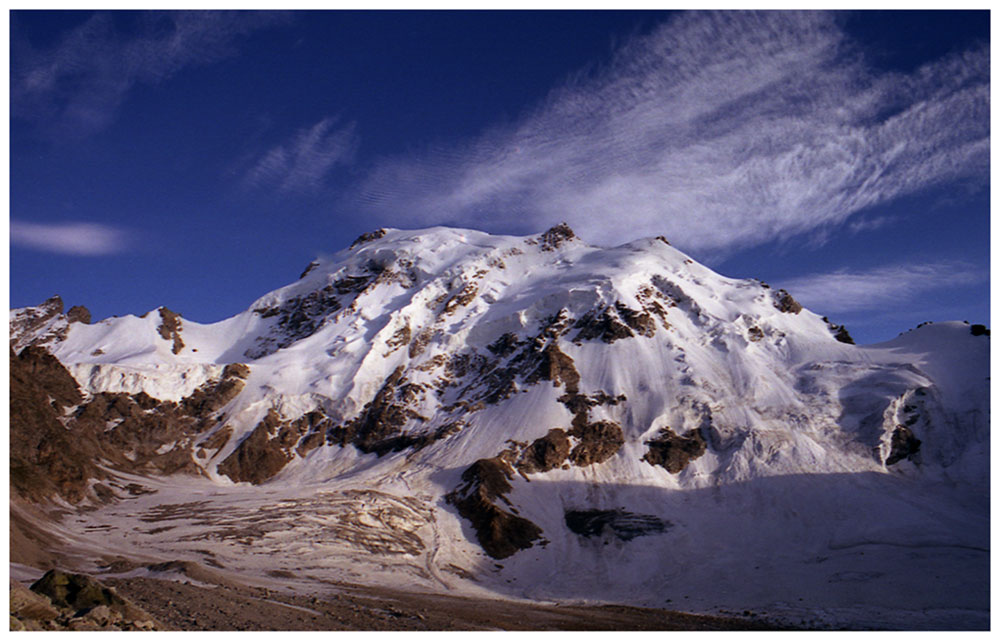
{"points": [[784, 302], [546, 453], [46, 460], [39, 325], [979, 330], [500, 533], [302, 316], [57, 436], [674, 452], [309, 267], [841, 335], [603, 325], [25, 604], [74, 590], [598, 441], [78, 313], [259, 456], [902, 446], [555, 237], [466, 295], [558, 367], [213, 397], [839, 332], [153, 436], [378, 428], [170, 329], [69, 601], [368, 236]]}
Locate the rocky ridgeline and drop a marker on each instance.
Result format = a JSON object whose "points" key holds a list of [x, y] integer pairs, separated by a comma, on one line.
{"points": [[44, 324]]}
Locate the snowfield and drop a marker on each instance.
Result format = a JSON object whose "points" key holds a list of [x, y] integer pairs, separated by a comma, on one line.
{"points": [[681, 439]]}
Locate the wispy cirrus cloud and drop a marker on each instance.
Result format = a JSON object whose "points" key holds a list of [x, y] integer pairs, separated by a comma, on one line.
{"points": [[847, 290], [75, 86], [72, 238], [721, 130], [303, 163]]}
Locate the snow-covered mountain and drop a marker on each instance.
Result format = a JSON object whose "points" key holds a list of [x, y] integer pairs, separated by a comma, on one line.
{"points": [[537, 417]]}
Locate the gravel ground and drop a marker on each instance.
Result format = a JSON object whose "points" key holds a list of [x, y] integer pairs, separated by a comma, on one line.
{"points": [[187, 607]]}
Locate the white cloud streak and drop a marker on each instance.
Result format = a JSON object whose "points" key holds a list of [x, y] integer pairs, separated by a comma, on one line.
{"points": [[719, 130], [72, 238], [879, 288], [75, 87], [302, 164]]}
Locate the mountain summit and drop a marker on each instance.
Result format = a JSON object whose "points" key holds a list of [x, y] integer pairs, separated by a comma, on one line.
{"points": [[535, 417]]}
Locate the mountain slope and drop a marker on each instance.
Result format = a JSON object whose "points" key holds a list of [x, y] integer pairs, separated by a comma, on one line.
{"points": [[615, 424]]}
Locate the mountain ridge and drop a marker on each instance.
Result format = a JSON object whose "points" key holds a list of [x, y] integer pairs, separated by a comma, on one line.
{"points": [[477, 373]]}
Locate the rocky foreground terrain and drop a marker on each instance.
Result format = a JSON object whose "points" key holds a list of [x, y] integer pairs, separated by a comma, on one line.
{"points": [[474, 425], [150, 604]]}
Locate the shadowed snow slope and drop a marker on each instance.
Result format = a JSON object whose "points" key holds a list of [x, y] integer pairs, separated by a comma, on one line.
{"points": [[542, 418]]}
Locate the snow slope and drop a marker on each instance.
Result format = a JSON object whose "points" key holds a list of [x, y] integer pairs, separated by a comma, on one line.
{"points": [[716, 447]]}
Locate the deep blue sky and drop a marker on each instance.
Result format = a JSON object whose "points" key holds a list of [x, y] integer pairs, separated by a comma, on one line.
{"points": [[200, 160]]}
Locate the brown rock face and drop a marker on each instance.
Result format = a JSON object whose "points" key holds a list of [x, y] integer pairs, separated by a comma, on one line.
{"points": [[45, 311], [45, 459], [598, 442], [368, 237], [499, 532], [400, 338], [78, 313], [46, 371], [674, 452], [377, 429], [302, 316], [259, 456], [24, 327], [462, 298], [143, 426], [903, 445], [785, 303], [640, 322], [604, 326], [309, 267], [205, 400], [56, 437], [556, 237], [270, 446], [842, 335], [545, 453], [505, 345], [558, 367], [619, 322], [170, 328]]}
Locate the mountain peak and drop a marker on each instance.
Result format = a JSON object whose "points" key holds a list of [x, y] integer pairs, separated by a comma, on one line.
{"points": [[450, 398]]}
